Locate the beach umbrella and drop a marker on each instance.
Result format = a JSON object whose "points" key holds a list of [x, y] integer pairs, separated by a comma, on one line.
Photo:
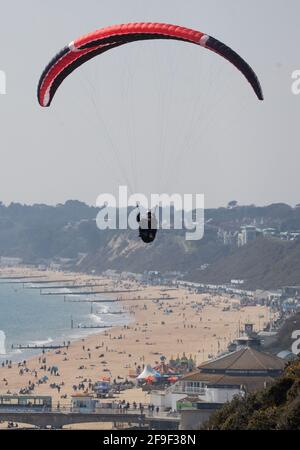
{"points": [[150, 379], [105, 378], [172, 379]]}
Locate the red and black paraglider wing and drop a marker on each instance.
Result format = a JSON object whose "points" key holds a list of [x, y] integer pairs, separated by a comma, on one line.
{"points": [[87, 47]]}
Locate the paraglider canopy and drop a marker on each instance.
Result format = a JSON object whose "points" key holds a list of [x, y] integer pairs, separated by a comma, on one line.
{"points": [[93, 44]]}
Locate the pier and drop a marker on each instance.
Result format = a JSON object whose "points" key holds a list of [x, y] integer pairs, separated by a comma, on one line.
{"points": [[58, 418], [21, 277], [88, 292], [106, 300], [145, 299], [35, 282], [19, 280], [65, 286], [37, 347], [93, 326]]}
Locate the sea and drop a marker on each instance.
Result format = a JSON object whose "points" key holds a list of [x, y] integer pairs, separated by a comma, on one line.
{"points": [[26, 317]]}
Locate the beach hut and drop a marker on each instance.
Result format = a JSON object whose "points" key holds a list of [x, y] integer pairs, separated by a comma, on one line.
{"points": [[83, 403], [102, 387]]}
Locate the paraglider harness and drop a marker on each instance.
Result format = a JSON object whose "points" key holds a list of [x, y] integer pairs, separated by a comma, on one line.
{"points": [[147, 226]]}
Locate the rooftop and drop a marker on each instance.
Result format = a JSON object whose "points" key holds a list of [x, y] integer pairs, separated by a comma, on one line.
{"points": [[246, 358], [246, 367]]}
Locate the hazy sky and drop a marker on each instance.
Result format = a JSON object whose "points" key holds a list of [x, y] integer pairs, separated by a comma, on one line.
{"points": [[167, 116]]}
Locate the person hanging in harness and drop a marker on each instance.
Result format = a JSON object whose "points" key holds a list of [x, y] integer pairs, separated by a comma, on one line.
{"points": [[147, 226]]}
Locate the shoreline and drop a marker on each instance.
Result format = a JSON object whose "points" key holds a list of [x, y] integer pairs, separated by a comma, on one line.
{"points": [[195, 325], [74, 334]]}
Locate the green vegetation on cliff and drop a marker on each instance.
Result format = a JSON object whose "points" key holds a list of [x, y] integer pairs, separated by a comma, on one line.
{"points": [[41, 233], [275, 408]]}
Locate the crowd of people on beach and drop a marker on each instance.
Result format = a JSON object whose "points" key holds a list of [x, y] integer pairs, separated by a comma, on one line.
{"points": [[120, 354], [7, 364]]}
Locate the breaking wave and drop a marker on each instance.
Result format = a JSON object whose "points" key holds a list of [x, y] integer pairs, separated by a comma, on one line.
{"points": [[44, 342], [95, 319]]}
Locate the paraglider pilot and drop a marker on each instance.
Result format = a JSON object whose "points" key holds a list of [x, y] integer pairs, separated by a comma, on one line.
{"points": [[147, 226]]}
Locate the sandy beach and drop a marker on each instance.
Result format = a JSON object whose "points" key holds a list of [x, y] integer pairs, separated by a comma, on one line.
{"points": [[200, 325]]}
